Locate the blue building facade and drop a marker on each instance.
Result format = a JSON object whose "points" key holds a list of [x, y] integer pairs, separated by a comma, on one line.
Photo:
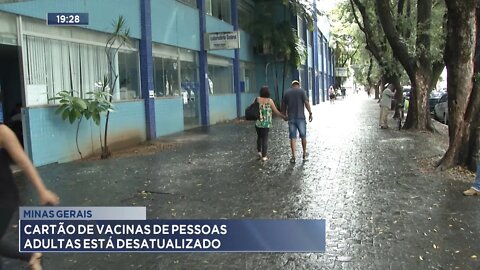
{"points": [[168, 82]]}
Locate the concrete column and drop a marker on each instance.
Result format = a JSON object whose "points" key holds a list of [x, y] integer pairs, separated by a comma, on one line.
{"points": [[146, 68], [332, 66], [236, 61], [315, 91], [203, 66], [322, 68], [306, 79]]}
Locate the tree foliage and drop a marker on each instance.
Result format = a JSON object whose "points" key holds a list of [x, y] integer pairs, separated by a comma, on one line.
{"points": [[74, 108], [275, 36], [358, 41], [344, 39]]}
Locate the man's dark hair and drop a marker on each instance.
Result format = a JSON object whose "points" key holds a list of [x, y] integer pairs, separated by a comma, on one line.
{"points": [[264, 92]]}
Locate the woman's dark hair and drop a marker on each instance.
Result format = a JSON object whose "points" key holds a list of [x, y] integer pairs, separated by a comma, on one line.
{"points": [[264, 92]]}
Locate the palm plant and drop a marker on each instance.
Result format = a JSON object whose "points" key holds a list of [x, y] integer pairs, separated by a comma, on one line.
{"points": [[271, 30], [117, 39]]}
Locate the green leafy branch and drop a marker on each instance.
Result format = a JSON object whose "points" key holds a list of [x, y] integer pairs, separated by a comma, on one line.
{"points": [[74, 108]]}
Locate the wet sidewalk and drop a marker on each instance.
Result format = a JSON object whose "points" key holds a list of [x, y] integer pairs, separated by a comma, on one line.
{"points": [[383, 210]]}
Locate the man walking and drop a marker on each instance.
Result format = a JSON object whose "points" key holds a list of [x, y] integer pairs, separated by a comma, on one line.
{"points": [[294, 103], [386, 104]]}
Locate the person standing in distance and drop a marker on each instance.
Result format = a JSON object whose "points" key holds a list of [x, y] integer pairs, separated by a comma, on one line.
{"points": [[294, 103], [385, 105]]}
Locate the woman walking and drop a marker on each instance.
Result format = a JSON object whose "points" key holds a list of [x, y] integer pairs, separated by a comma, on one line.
{"points": [[331, 95], [264, 123], [11, 149]]}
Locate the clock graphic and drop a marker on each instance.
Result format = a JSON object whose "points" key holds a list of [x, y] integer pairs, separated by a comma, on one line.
{"points": [[67, 19]]}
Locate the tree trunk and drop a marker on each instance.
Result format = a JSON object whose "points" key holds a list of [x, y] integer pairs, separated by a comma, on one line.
{"points": [[371, 85], [398, 96], [437, 70], [419, 66], [418, 116], [76, 137], [276, 81], [463, 93], [378, 87], [105, 151], [381, 87], [400, 6], [284, 75], [472, 159]]}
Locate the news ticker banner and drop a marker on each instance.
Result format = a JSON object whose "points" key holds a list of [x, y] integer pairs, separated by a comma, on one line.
{"points": [[126, 229]]}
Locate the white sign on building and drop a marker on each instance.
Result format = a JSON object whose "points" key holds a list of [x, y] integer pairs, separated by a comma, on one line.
{"points": [[36, 94], [222, 40], [341, 72]]}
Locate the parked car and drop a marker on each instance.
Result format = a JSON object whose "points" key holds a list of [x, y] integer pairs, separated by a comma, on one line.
{"points": [[434, 98], [441, 109]]}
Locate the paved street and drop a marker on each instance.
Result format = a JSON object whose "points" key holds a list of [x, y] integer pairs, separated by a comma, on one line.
{"points": [[383, 210]]}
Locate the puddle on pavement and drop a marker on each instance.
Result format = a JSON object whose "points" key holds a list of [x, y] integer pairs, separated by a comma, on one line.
{"points": [[397, 140]]}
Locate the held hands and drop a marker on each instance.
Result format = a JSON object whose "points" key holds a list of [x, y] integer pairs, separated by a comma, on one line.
{"points": [[47, 197], [284, 117]]}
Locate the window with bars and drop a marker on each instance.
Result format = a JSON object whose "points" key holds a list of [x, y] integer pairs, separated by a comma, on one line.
{"points": [[192, 3], [220, 9], [56, 65]]}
